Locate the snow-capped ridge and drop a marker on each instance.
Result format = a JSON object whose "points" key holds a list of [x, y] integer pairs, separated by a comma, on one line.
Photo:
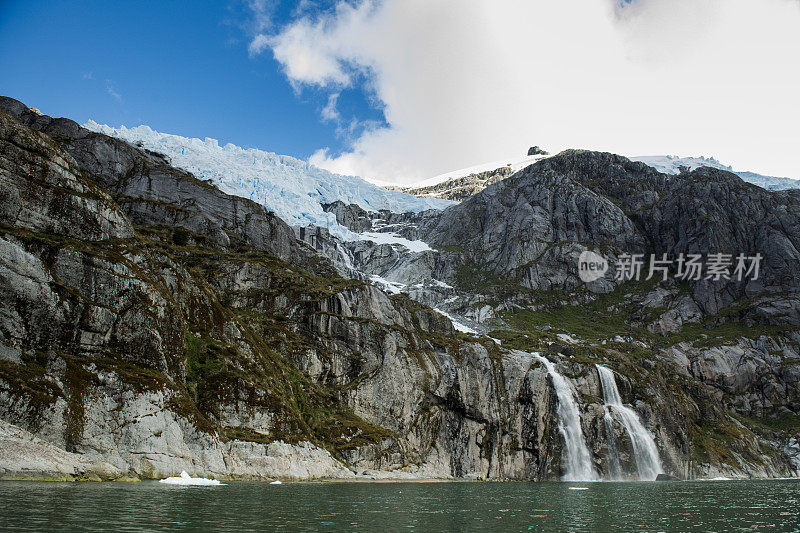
{"points": [[291, 188], [514, 164], [671, 164], [667, 164]]}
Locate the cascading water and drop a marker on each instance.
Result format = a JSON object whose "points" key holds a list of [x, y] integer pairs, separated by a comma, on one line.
{"points": [[614, 466], [645, 452], [578, 465]]}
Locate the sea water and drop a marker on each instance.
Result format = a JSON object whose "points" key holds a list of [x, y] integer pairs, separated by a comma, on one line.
{"points": [[358, 506]]}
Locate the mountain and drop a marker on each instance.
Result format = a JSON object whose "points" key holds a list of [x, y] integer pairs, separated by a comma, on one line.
{"points": [[291, 188], [670, 164], [505, 263], [461, 184], [151, 323]]}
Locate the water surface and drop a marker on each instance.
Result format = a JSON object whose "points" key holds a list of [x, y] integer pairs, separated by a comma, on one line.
{"points": [[246, 506]]}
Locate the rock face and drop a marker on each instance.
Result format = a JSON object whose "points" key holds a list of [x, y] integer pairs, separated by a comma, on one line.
{"points": [[458, 189], [350, 216], [150, 323], [24, 456], [535, 150], [158, 325]]}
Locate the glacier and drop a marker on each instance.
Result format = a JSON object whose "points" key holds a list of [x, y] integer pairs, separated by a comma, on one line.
{"points": [[291, 188], [670, 164]]}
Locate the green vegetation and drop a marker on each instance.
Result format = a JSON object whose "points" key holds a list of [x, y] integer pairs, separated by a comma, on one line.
{"points": [[786, 422], [305, 410], [609, 315], [180, 237], [716, 441], [28, 380], [475, 278], [709, 335]]}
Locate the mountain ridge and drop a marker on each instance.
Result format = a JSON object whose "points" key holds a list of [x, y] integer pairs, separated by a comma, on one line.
{"points": [[188, 329], [461, 184]]}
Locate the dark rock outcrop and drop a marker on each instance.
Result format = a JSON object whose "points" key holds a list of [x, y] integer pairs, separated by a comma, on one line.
{"points": [[350, 216], [535, 150], [458, 189]]}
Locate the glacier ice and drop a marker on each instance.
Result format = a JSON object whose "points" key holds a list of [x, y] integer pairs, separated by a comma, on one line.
{"points": [[291, 188]]}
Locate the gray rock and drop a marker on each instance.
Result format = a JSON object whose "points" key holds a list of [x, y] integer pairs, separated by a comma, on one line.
{"points": [[535, 150], [151, 323]]}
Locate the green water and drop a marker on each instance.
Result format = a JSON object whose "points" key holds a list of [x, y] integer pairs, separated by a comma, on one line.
{"points": [[150, 506]]}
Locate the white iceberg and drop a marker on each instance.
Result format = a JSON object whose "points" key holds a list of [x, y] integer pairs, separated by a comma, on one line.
{"points": [[186, 479]]}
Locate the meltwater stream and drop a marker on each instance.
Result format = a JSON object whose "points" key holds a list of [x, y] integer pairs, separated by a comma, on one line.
{"points": [[578, 465], [645, 452]]}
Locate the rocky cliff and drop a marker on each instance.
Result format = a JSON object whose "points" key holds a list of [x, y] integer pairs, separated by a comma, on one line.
{"points": [[460, 188], [150, 323]]}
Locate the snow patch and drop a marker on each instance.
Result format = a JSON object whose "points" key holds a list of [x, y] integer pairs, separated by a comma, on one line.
{"points": [[514, 164], [441, 284], [393, 238], [563, 337], [392, 287], [456, 324], [670, 164]]}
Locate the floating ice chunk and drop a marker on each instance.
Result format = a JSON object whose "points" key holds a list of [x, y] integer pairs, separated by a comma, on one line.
{"points": [[186, 479]]}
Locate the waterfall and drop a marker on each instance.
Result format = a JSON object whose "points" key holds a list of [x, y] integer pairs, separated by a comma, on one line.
{"points": [[344, 254], [578, 465], [645, 452], [614, 466]]}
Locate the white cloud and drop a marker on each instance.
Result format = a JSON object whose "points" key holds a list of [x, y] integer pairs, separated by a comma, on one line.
{"points": [[462, 83], [329, 113], [262, 11], [111, 88]]}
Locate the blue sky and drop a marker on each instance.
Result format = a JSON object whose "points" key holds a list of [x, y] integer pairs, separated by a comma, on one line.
{"points": [[181, 67], [423, 87]]}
